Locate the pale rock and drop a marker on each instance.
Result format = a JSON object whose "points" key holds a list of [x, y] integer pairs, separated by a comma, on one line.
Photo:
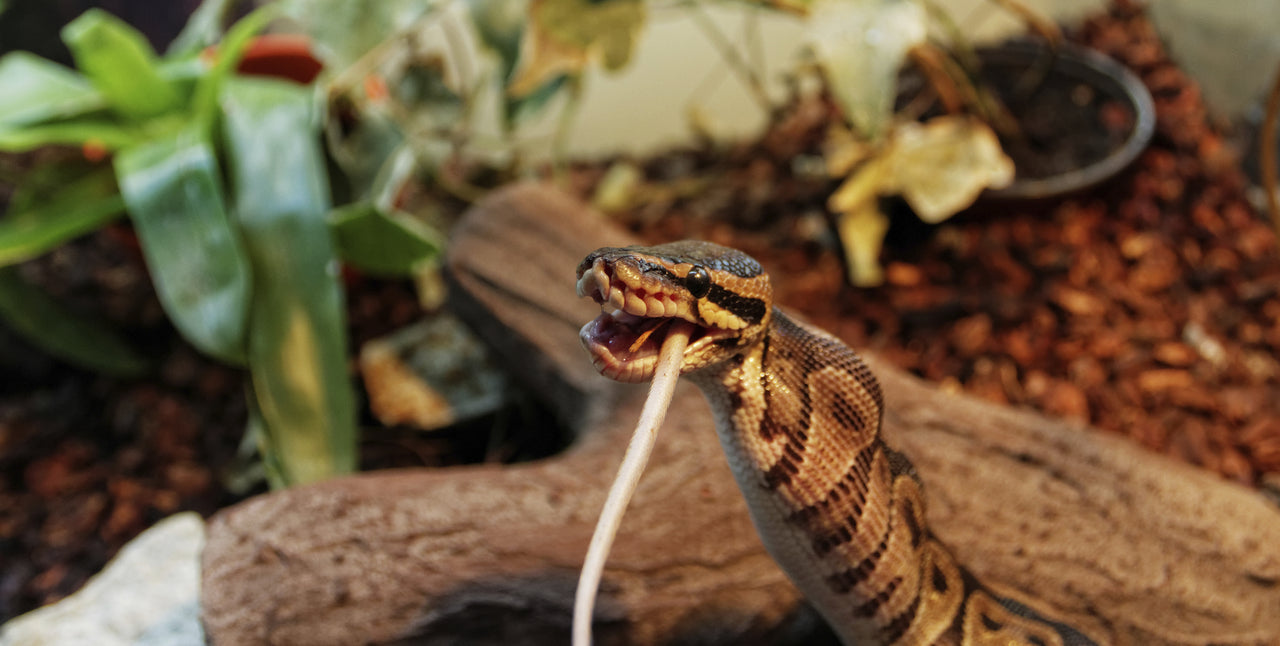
{"points": [[147, 595]]}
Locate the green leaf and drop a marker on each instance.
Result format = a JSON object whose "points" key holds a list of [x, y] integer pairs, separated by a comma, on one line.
{"points": [[297, 331], [344, 31], [103, 132], [366, 149], [33, 89], [529, 106], [174, 194], [203, 28], [232, 49], [75, 209], [72, 338], [119, 62], [379, 242]]}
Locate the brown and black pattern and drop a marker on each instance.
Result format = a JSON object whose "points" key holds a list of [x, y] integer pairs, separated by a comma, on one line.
{"points": [[798, 414]]}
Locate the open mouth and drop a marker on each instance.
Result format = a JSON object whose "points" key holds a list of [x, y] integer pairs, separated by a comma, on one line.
{"points": [[625, 340]]}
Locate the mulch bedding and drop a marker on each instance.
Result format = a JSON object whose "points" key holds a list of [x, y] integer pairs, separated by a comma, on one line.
{"points": [[1148, 307], [87, 462]]}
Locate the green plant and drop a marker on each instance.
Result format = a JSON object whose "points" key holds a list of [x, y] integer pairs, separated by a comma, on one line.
{"points": [[533, 53], [224, 180]]}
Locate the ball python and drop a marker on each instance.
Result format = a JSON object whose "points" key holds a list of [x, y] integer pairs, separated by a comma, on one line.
{"points": [[798, 416]]}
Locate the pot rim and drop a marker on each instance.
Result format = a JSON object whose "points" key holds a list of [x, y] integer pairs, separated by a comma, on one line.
{"points": [[1103, 73]]}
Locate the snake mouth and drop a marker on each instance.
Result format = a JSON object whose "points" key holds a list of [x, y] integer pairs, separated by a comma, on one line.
{"points": [[626, 339]]}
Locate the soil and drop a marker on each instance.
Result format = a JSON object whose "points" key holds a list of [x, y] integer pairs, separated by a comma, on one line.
{"points": [[1047, 109], [1052, 114], [1149, 306]]}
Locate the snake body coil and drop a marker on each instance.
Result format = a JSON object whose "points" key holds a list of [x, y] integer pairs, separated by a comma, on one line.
{"points": [[798, 415]]}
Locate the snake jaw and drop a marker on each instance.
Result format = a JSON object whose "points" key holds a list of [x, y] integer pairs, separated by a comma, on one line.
{"points": [[625, 340]]}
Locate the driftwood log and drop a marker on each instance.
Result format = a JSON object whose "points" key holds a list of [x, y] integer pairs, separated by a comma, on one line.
{"points": [[1136, 546]]}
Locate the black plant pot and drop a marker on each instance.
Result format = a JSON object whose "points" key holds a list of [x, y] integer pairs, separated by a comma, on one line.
{"points": [[1083, 116]]}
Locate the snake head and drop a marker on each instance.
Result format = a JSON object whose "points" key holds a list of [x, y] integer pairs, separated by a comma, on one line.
{"points": [[722, 291]]}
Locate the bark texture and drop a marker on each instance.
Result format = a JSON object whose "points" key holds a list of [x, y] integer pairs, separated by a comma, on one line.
{"points": [[1140, 548]]}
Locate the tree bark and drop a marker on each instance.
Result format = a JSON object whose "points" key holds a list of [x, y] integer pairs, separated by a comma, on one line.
{"points": [[1132, 545]]}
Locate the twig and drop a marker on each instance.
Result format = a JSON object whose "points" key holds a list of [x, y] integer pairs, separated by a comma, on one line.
{"points": [[731, 56], [560, 144], [955, 85], [754, 41], [956, 38], [928, 58], [468, 78], [1034, 20]]}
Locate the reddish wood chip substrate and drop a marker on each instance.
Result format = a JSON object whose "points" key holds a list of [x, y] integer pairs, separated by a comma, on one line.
{"points": [[1149, 306]]}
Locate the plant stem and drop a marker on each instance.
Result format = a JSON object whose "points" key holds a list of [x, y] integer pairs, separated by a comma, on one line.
{"points": [[755, 43], [1034, 20], [731, 56], [560, 144]]}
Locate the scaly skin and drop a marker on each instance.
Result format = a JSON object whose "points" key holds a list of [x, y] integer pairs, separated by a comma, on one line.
{"points": [[798, 415]]}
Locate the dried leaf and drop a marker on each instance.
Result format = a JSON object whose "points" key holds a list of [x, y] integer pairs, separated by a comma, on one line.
{"points": [[563, 35], [865, 184], [862, 232], [616, 191], [861, 45], [842, 151], [941, 167]]}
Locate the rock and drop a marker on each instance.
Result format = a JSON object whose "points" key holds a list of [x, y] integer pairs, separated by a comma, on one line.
{"points": [[148, 594], [430, 374]]}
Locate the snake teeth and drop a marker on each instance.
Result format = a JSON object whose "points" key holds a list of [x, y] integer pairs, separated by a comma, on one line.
{"points": [[602, 276], [595, 282], [617, 299], [584, 283], [636, 305], [655, 307]]}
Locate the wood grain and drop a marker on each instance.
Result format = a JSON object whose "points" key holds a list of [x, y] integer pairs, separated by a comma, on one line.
{"points": [[1146, 550]]}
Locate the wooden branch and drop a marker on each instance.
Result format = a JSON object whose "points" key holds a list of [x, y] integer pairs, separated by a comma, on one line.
{"points": [[1140, 548]]}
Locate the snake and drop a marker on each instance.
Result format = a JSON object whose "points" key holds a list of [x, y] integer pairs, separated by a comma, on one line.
{"points": [[798, 416]]}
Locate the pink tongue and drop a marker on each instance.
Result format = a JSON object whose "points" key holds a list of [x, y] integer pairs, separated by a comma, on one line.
{"points": [[620, 341], [620, 337]]}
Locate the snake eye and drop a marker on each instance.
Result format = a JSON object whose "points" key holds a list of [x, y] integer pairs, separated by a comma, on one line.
{"points": [[697, 281]]}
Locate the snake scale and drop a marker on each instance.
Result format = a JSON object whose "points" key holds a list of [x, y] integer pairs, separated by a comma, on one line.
{"points": [[798, 416]]}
